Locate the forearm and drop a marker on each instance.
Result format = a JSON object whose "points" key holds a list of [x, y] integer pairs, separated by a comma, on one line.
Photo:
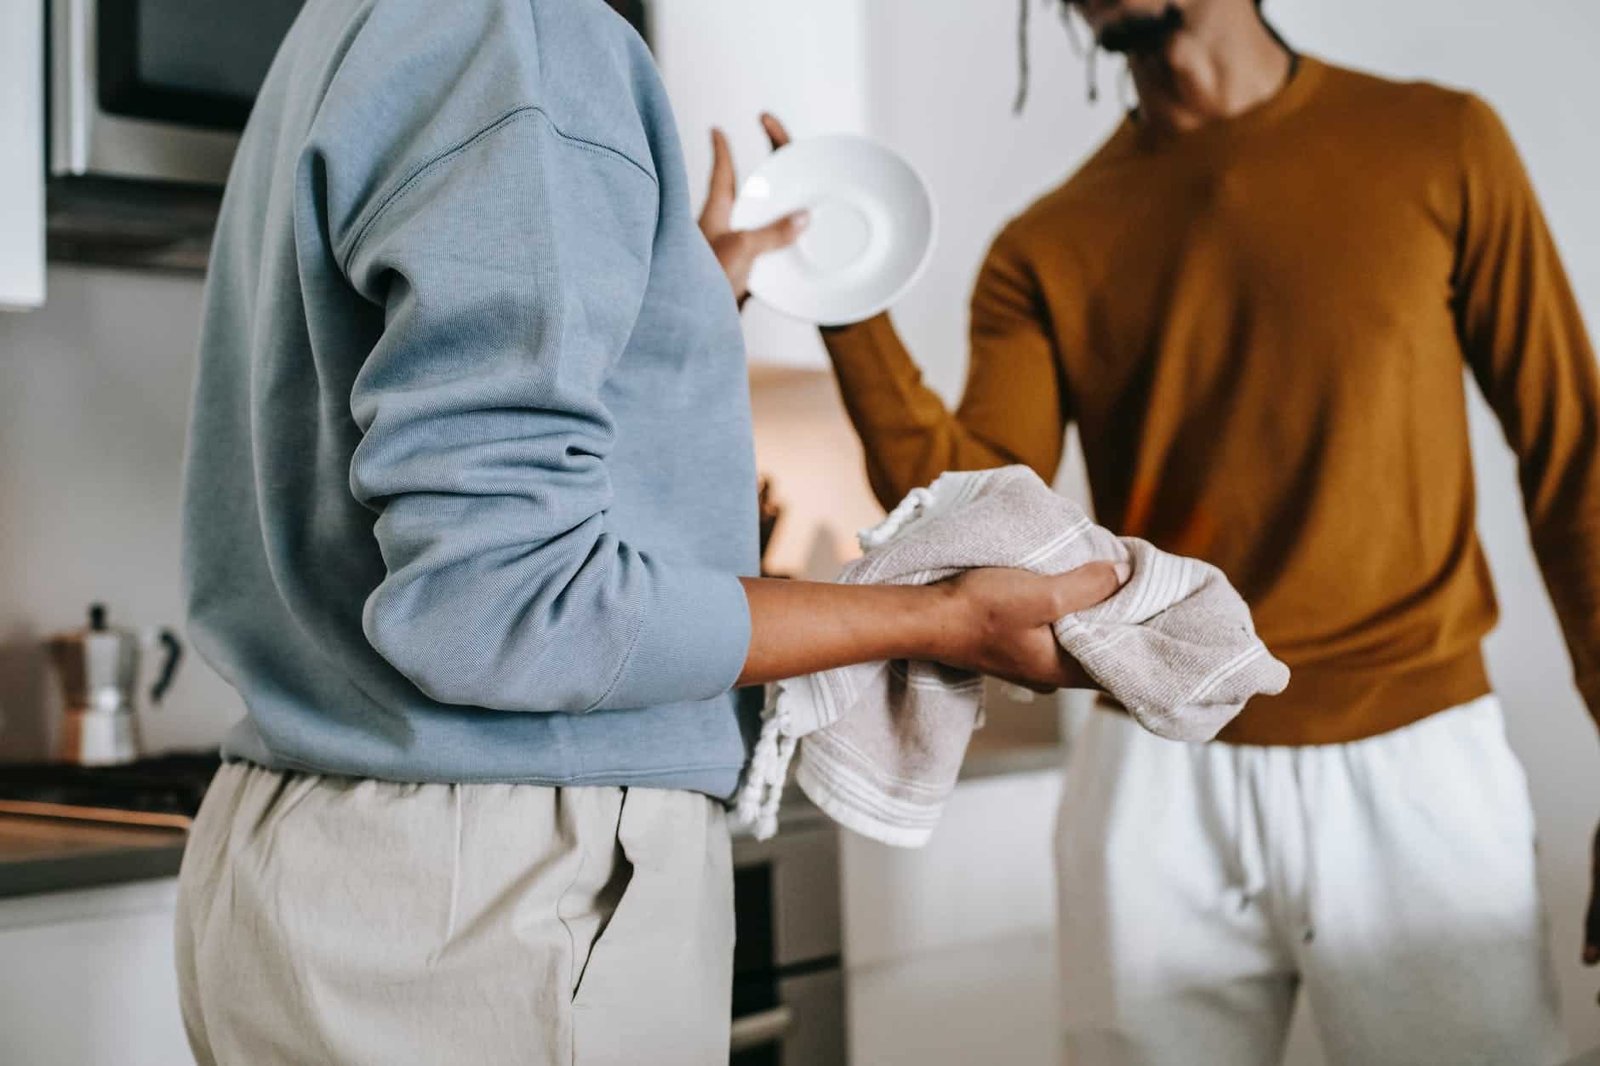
{"points": [[908, 434], [987, 621], [802, 627]]}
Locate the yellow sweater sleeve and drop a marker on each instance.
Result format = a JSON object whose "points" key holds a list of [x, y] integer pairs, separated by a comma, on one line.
{"points": [[1524, 339], [1014, 409]]}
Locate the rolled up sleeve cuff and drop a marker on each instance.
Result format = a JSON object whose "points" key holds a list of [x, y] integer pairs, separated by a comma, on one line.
{"points": [[692, 643]]}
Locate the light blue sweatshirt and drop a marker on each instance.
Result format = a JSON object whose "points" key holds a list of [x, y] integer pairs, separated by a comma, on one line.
{"points": [[470, 475]]}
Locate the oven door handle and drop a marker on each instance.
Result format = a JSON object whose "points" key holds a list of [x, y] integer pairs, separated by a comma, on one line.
{"points": [[760, 1030]]}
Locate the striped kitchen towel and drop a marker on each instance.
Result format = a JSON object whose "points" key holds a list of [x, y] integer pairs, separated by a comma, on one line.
{"points": [[880, 745]]}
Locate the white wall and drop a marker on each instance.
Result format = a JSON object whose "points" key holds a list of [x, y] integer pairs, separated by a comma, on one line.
{"points": [[726, 61], [94, 394], [943, 74]]}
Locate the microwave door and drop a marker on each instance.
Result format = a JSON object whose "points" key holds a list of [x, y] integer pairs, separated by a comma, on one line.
{"points": [[158, 89]]}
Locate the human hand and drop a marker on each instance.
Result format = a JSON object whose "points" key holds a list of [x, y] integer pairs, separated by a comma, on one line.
{"points": [[1001, 619], [737, 250]]}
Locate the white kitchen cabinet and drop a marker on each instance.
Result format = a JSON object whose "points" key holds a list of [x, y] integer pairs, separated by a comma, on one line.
{"points": [[991, 1001], [726, 61], [87, 978], [987, 874], [21, 154]]}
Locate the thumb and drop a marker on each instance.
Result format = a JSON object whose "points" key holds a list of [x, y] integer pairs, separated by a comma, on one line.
{"points": [[1093, 583], [777, 135], [720, 195], [780, 234]]}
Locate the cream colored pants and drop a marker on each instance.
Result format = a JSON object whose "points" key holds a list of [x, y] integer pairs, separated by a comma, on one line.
{"points": [[329, 920]]}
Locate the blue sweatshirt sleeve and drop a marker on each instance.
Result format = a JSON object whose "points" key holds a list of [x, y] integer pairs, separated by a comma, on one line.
{"points": [[509, 271]]}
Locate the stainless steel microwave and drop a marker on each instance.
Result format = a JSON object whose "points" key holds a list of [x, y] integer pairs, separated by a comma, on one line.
{"points": [[157, 90], [147, 101]]}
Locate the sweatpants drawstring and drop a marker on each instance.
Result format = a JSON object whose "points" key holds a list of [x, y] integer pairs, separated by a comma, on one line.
{"points": [[1249, 872], [1308, 856]]}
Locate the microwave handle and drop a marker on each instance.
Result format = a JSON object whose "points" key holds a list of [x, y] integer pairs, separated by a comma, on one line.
{"points": [[760, 1030]]}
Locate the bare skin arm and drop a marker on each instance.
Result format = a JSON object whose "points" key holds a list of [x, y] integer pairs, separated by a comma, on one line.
{"points": [[991, 621]]}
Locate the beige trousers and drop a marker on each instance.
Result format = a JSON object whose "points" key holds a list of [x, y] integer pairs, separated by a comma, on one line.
{"points": [[330, 920]]}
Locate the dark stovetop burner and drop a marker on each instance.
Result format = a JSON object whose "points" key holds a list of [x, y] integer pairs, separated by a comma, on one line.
{"points": [[160, 790]]}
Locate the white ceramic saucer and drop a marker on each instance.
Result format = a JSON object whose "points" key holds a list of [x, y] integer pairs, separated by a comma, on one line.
{"points": [[871, 230]]}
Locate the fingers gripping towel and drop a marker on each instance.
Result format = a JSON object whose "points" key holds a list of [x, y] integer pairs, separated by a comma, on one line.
{"points": [[880, 744]]}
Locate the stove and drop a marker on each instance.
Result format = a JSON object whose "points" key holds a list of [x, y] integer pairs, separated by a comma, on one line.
{"points": [[163, 790]]}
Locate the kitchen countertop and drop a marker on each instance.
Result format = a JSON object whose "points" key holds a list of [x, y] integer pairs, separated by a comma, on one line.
{"points": [[52, 855]]}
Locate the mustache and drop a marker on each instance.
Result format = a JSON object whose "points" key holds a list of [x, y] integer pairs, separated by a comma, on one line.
{"points": [[1142, 34]]}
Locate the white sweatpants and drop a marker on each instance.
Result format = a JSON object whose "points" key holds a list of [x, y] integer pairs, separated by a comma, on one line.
{"points": [[1201, 886]]}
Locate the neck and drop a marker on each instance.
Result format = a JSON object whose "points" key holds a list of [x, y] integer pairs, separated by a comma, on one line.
{"points": [[1211, 70]]}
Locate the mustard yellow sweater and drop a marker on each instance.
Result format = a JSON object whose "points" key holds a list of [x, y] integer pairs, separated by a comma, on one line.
{"points": [[1260, 329]]}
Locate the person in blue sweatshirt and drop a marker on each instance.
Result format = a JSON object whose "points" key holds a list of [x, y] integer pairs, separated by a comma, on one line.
{"points": [[469, 524]]}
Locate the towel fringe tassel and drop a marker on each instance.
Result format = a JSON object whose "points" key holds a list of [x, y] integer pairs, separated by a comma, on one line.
{"points": [[893, 525], [762, 790]]}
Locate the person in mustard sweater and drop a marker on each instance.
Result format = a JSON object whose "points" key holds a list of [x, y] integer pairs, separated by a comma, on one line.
{"points": [[1257, 302]]}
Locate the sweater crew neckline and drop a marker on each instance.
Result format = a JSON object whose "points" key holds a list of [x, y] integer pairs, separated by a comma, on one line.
{"points": [[1304, 77]]}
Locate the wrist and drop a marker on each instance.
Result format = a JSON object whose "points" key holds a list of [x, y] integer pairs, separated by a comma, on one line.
{"points": [[941, 623]]}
